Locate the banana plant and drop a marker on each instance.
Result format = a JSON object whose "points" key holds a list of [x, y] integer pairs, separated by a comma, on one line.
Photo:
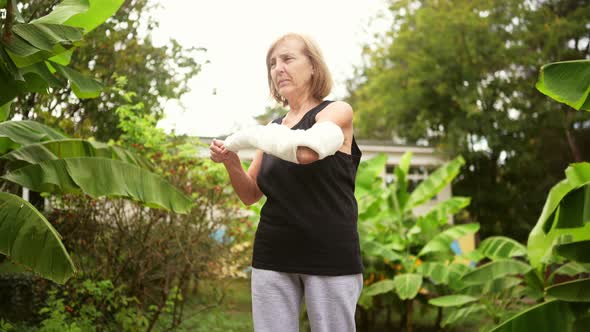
{"points": [[562, 233], [558, 246], [392, 233], [567, 82], [33, 58], [494, 289]]}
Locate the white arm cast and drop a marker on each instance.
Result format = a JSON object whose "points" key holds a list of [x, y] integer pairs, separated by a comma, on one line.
{"points": [[325, 138]]}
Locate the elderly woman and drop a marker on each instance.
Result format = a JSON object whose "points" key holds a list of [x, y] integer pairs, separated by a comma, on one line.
{"points": [[306, 245]]}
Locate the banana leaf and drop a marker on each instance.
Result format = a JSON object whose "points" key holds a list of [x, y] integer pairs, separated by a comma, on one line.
{"points": [[494, 270], [46, 36], [499, 247], [545, 317], [442, 242], [13, 134], [455, 300], [27, 238], [438, 272], [460, 315], [101, 177], [571, 269], [84, 87], [63, 11], [567, 82], [572, 291], [545, 233], [434, 183], [407, 285], [380, 287], [70, 148], [439, 214], [577, 251]]}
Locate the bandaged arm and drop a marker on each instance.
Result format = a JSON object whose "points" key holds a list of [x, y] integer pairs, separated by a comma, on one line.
{"points": [[324, 137]]}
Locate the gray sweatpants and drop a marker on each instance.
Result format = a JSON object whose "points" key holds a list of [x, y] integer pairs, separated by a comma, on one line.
{"points": [[330, 301]]}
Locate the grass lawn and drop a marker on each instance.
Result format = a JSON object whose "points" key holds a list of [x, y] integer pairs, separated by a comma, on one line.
{"points": [[225, 305]]}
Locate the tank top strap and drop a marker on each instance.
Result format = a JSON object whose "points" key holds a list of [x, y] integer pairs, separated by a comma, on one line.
{"points": [[308, 119]]}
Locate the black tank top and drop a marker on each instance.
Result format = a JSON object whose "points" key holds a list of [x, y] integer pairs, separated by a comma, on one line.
{"points": [[308, 223]]}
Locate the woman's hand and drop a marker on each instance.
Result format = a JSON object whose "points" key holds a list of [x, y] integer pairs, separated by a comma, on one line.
{"points": [[219, 154]]}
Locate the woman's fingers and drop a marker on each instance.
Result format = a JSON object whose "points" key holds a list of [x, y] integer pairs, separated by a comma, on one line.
{"points": [[217, 142]]}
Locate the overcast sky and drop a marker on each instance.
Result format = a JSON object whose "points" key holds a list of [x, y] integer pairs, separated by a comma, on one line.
{"points": [[232, 88]]}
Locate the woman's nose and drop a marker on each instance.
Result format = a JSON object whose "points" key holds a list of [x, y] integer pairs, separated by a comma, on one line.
{"points": [[280, 66]]}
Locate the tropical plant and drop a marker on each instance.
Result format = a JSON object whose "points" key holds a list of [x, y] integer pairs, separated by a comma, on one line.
{"points": [[124, 45], [415, 249], [562, 233], [34, 57], [556, 274], [457, 74]]}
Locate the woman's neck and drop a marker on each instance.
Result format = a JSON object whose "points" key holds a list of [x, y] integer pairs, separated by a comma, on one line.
{"points": [[301, 105]]}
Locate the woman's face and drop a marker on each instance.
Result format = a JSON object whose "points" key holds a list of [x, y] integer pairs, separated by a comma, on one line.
{"points": [[290, 69]]}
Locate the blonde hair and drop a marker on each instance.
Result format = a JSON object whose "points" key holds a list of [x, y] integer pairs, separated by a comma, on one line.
{"points": [[321, 80]]}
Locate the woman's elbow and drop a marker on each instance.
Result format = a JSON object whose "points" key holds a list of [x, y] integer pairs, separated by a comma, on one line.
{"points": [[250, 200], [306, 155]]}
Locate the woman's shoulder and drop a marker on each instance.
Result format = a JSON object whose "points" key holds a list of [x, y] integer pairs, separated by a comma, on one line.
{"points": [[340, 110]]}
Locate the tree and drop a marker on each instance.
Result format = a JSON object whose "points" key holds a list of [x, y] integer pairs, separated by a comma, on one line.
{"points": [[45, 160], [122, 46], [458, 75], [270, 113]]}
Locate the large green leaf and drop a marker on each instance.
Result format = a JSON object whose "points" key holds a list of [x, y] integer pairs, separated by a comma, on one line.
{"points": [[452, 300], [544, 234], [545, 317], [494, 270], [438, 272], [63, 58], [40, 70], [401, 182], [460, 315], [101, 177], [376, 249], [82, 13], [439, 214], [99, 12], [8, 77], [572, 291], [577, 251], [456, 271], [380, 287], [5, 111], [369, 171], [442, 242], [46, 36], [574, 209], [69, 148], [13, 134], [571, 269], [63, 11], [567, 82], [19, 47], [407, 285], [495, 286], [84, 87], [27, 238], [498, 247], [435, 183]]}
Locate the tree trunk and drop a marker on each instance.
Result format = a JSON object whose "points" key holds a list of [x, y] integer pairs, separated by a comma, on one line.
{"points": [[409, 309], [571, 140], [9, 21], [439, 317]]}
